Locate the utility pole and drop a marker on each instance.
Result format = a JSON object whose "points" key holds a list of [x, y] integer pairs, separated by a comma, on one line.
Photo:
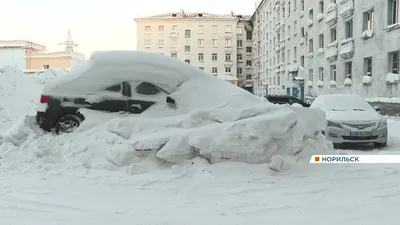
{"points": [[69, 43]]}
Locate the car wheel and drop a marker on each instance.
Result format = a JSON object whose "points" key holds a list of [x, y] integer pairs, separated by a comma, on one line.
{"points": [[68, 123], [379, 144]]}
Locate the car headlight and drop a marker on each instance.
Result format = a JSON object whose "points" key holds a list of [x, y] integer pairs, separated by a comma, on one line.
{"points": [[382, 123], [333, 124]]}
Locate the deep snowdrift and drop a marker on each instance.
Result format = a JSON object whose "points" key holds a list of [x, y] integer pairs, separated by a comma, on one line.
{"points": [[258, 133]]}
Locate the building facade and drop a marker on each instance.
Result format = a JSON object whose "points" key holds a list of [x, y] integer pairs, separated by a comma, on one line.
{"points": [[337, 46], [215, 43], [38, 61], [13, 52]]}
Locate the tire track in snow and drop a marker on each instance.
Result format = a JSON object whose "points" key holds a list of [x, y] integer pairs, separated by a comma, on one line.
{"points": [[17, 203]]}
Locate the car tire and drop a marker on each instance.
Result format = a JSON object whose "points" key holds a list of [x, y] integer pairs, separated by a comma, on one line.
{"points": [[379, 144], [71, 122]]}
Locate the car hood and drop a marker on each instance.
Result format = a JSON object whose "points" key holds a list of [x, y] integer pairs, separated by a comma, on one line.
{"points": [[343, 116]]}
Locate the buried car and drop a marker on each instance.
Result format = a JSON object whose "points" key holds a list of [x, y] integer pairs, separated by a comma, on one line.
{"points": [[124, 81], [351, 119]]}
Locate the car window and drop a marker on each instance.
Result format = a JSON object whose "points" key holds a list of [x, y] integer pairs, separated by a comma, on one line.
{"points": [[147, 89], [114, 88]]}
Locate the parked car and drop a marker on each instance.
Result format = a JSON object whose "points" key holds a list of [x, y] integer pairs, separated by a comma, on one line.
{"points": [[351, 119], [285, 99], [128, 82]]}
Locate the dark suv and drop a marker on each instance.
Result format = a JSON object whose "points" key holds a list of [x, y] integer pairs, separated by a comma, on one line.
{"points": [[286, 99], [61, 113]]}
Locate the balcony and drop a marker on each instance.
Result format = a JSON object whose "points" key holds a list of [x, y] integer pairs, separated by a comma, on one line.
{"points": [[228, 63], [346, 8], [277, 27], [282, 44], [332, 51], [347, 48], [173, 49], [331, 15], [173, 34], [277, 48], [320, 17]]}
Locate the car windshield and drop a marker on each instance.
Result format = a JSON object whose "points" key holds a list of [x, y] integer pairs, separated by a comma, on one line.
{"points": [[346, 103]]}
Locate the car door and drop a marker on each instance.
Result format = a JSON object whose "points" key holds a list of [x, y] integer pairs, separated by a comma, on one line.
{"points": [[111, 99], [143, 95]]}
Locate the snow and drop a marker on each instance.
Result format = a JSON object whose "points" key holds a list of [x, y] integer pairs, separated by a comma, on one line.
{"points": [[332, 83], [310, 22], [392, 78], [368, 33], [393, 26], [310, 83], [154, 168], [385, 100], [367, 79], [293, 68], [347, 82], [347, 46], [320, 51], [320, 16], [227, 77], [320, 83]]}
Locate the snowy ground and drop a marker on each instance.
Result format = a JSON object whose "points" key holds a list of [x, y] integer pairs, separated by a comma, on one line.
{"points": [[58, 190]]}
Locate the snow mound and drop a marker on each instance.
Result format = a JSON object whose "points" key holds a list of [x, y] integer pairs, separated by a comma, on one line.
{"points": [[213, 121]]}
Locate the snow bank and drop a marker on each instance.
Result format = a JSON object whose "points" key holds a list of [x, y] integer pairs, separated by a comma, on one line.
{"points": [[214, 120]]}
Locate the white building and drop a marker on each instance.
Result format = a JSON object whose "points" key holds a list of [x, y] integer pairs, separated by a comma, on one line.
{"points": [[336, 45], [215, 43], [13, 52]]}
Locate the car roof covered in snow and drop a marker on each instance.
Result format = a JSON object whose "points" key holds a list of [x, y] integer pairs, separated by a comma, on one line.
{"points": [[341, 102], [107, 68]]}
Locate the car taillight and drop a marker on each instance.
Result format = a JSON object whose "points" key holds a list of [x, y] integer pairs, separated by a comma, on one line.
{"points": [[44, 98]]}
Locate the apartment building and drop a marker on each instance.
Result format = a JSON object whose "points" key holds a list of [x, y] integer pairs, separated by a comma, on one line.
{"points": [[337, 46], [218, 44]]}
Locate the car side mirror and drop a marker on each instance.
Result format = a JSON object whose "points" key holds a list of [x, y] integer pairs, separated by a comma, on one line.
{"points": [[377, 108], [170, 100]]}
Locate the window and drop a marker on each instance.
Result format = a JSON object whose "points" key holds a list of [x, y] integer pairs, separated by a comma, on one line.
{"points": [[228, 29], [160, 43], [214, 42], [214, 70], [46, 67], [214, 57], [311, 14], [187, 33], [214, 29], [115, 88], [310, 75], [248, 35], [288, 56], [349, 29], [239, 70], [302, 5], [201, 57], [311, 46], [393, 11], [248, 49], [239, 30], [200, 42], [333, 72], [248, 76], [239, 57], [147, 29], [295, 52], [187, 48], [174, 55], [295, 5], [174, 42], [173, 28], [302, 32], [201, 29], [228, 42], [321, 41], [227, 57], [394, 66], [288, 30], [333, 35], [288, 8], [348, 69], [240, 44], [321, 6], [321, 73], [147, 89], [368, 20], [161, 29], [295, 27], [248, 62], [302, 60], [368, 66], [147, 43], [227, 70], [187, 61]]}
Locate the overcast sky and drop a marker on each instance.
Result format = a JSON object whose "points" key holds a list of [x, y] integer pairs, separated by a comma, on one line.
{"points": [[95, 24]]}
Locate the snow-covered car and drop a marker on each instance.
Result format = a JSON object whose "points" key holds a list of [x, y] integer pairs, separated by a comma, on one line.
{"points": [[125, 81], [351, 119]]}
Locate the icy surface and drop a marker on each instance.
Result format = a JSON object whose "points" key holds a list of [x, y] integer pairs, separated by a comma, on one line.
{"points": [[368, 33], [392, 78], [367, 79]]}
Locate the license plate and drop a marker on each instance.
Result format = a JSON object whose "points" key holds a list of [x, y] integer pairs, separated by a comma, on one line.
{"points": [[361, 133]]}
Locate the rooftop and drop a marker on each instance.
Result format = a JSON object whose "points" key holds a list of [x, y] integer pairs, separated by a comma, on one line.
{"points": [[195, 15]]}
